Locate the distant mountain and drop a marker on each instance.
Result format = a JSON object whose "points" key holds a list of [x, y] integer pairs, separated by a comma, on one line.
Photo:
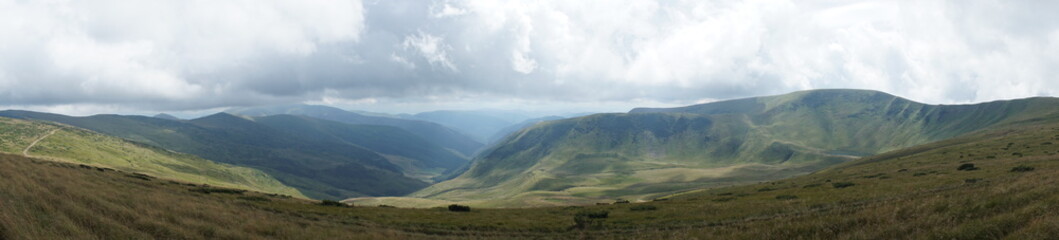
{"points": [[432, 132], [648, 152], [71, 144], [480, 125], [319, 168], [415, 155], [166, 116]]}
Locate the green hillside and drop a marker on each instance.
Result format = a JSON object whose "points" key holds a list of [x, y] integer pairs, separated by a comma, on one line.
{"points": [[318, 168], [650, 152], [1010, 192], [69, 144], [432, 132]]}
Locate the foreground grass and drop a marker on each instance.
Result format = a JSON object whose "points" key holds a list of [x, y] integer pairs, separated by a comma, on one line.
{"points": [[912, 193]]}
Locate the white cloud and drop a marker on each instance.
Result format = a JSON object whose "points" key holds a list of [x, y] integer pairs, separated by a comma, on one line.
{"points": [[431, 48], [104, 52], [203, 54]]}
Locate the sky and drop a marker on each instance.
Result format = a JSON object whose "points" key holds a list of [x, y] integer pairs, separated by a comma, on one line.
{"points": [[405, 56]]}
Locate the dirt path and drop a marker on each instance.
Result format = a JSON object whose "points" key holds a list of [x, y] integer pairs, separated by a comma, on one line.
{"points": [[25, 152]]}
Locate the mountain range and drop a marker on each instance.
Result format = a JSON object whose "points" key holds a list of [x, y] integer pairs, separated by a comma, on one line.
{"points": [[652, 152], [320, 158]]}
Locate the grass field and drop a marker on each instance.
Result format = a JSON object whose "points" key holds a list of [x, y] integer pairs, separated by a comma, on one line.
{"points": [[1011, 191]]}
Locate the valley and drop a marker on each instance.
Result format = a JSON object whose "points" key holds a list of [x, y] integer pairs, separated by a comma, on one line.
{"points": [[915, 192]]}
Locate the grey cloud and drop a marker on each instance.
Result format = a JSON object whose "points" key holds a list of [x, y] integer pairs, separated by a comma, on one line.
{"points": [[400, 51]]}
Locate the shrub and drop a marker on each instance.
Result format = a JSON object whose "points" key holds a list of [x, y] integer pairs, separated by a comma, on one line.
{"points": [[590, 219], [621, 201], [967, 167], [333, 203], [459, 208], [786, 197], [765, 189], [643, 208], [1022, 168], [919, 174], [385, 206], [254, 198], [842, 184], [1017, 154], [140, 176], [812, 185], [207, 190]]}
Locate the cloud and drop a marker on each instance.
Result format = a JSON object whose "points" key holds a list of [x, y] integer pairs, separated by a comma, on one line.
{"points": [[185, 55]]}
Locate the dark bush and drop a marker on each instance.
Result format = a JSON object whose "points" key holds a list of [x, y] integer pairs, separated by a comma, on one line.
{"points": [[919, 174], [140, 176], [842, 184], [765, 189], [333, 203], [1022, 168], [590, 219], [1017, 154], [967, 167], [385, 206], [459, 208], [725, 194], [902, 170], [254, 198], [660, 199], [643, 208], [207, 190], [786, 197], [621, 201]]}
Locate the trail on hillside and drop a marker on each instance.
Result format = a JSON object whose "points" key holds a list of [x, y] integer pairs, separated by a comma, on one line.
{"points": [[25, 152]]}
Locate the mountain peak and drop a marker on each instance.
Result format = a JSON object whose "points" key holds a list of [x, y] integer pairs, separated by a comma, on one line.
{"points": [[166, 116]]}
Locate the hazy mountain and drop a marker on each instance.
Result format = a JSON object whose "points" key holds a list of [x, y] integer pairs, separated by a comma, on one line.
{"points": [[412, 153], [166, 116], [432, 132], [319, 168], [650, 151], [480, 126]]}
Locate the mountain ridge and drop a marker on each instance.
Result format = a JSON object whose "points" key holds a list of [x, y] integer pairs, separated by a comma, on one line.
{"points": [[637, 154]]}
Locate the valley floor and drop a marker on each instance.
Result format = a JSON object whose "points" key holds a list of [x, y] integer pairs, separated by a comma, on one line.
{"points": [[1011, 191]]}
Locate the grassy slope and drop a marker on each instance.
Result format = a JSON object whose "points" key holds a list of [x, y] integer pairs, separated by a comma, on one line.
{"points": [[75, 145], [909, 193], [317, 168], [649, 152]]}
